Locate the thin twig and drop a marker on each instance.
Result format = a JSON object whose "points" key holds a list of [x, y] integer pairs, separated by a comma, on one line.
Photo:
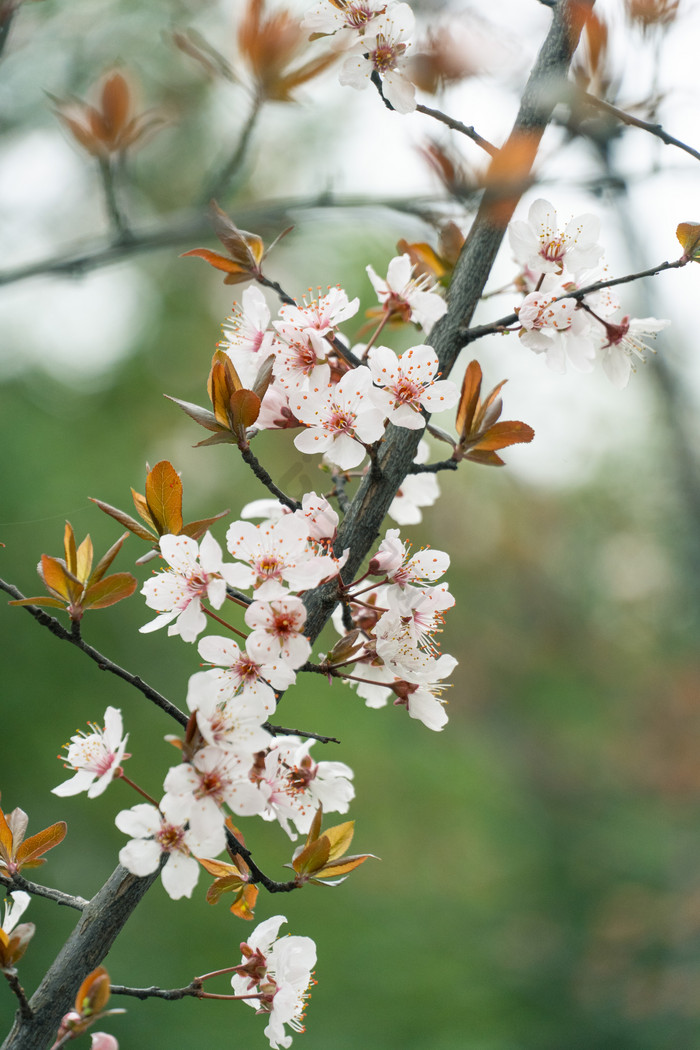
{"points": [[18, 882], [109, 172], [636, 122], [283, 731], [154, 992], [24, 1007], [219, 185], [433, 468], [457, 125], [501, 325], [262, 475], [102, 662]]}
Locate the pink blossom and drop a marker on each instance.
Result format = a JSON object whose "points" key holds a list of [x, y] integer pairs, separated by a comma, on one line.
{"points": [[539, 245], [277, 628], [413, 298], [276, 553], [340, 419], [96, 756], [401, 568], [155, 832], [408, 384], [196, 572], [382, 49]]}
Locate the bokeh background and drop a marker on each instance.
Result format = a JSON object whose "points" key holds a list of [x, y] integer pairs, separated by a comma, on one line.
{"points": [[539, 882]]}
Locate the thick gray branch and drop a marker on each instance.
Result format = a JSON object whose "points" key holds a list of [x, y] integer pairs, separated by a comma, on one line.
{"points": [[99, 924]]}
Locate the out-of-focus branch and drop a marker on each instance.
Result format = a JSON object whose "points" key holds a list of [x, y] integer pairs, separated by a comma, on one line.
{"points": [[217, 187], [178, 231], [636, 122], [102, 661], [457, 125]]}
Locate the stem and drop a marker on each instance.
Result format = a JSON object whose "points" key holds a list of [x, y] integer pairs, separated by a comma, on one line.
{"points": [[109, 168], [370, 344], [122, 776], [17, 882], [220, 183], [262, 475], [223, 623], [457, 125], [24, 1007], [635, 122]]}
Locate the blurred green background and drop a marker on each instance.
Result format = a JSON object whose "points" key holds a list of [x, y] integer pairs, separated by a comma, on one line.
{"points": [[539, 882]]}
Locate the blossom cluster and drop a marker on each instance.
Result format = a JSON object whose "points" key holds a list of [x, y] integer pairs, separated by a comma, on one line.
{"points": [[343, 409], [276, 974], [580, 331], [376, 36], [397, 621]]}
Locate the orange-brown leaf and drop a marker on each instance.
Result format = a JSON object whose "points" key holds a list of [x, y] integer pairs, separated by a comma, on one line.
{"points": [[342, 867], [339, 838], [245, 409], [107, 559], [48, 603], [244, 905], [219, 262], [688, 233], [196, 529], [93, 994], [31, 850], [116, 103], [313, 857], [126, 520], [501, 435], [469, 398], [110, 590], [488, 459], [164, 498], [59, 580], [70, 549]]}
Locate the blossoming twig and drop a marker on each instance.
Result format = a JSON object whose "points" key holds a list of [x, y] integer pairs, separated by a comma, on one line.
{"points": [[457, 125], [102, 661], [284, 731], [191, 990], [501, 325], [24, 1007]]}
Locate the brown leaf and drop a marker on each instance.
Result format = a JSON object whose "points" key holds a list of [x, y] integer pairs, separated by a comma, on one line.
{"points": [[109, 591], [469, 398], [59, 580], [164, 498], [107, 559], [29, 854], [196, 529], [116, 103], [126, 520], [501, 435]]}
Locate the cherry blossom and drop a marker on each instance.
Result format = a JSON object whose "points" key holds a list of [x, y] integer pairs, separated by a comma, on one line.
{"points": [[344, 20], [557, 328], [96, 756], [340, 419], [237, 673], [300, 358], [247, 337], [624, 342], [382, 49], [276, 553], [320, 315], [394, 558], [277, 631], [408, 297], [155, 832], [278, 972], [19, 902], [539, 245], [294, 785], [201, 787], [408, 384], [196, 572], [422, 702]]}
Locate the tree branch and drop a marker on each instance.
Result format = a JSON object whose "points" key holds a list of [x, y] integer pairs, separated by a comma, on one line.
{"points": [[635, 122], [18, 882], [457, 125], [102, 662], [503, 323], [262, 475]]}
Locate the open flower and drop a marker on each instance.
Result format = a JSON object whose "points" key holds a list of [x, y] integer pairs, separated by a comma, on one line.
{"points": [[155, 832], [409, 384], [540, 246], [95, 756], [624, 342], [278, 972], [14, 938], [382, 49], [340, 419], [196, 572], [408, 298]]}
